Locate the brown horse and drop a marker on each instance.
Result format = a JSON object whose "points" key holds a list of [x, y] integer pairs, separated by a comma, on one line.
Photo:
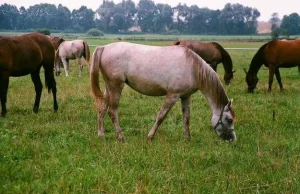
{"points": [[274, 55], [56, 41], [23, 55], [173, 71], [213, 53]]}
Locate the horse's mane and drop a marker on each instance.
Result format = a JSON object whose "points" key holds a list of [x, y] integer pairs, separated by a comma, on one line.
{"points": [[226, 57], [208, 80], [258, 59]]}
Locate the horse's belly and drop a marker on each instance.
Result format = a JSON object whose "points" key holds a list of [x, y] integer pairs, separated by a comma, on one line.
{"points": [[20, 73], [149, 90]]}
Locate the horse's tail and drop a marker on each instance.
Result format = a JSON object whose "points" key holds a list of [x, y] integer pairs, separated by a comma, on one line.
{"points": [[94, 75], [86, 53], [226, 59]]}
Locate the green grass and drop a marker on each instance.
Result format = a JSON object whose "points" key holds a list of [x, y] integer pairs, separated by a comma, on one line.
{"points": [[61, 152]]}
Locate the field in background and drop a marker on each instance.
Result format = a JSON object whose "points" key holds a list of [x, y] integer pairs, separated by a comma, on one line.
{"points": [[61, 153]]}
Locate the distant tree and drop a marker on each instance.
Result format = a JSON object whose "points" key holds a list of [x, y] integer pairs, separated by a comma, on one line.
{"points": [[274, 18], [146, 13], [95, 32], [291, 23], [64, 15], [82, 19], [42, 15], [237, 19], [9, 15], [44, 31]]}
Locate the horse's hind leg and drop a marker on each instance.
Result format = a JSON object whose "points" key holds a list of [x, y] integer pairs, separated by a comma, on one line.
{"points": [[185, 104], [4, 81], [102, 109], [38, 86], [80, 66], [169, 102], [278, 77], [114, 94]]}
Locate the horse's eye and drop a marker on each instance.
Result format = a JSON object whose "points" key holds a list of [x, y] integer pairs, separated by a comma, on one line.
{"points": [[229, 120]]}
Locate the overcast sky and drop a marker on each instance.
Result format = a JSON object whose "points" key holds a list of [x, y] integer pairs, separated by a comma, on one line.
{"points": [[265, 7]]}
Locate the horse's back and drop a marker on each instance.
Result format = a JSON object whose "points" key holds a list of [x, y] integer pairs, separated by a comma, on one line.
{"points": [[26, 52], [150, 70], [283, 52], [71, 49], [207, 50]]}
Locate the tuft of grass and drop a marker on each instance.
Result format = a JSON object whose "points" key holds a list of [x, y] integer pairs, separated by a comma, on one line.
{"points": [[61, 153]]}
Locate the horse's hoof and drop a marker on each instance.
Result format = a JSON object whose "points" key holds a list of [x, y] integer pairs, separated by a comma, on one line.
{"points": [[121, 139], [35, 110], [149, 138], [100, 133]]}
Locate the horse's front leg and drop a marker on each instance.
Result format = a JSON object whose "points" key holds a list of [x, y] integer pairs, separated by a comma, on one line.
{"points": [[168, 104], [278, 77], [38, 86], [271, 76], [185, 104], [66, 65], [4, 81]]}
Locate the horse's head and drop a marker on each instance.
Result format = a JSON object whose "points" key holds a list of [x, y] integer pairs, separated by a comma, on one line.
{"points": [[228, 76], [224, 123], [57, 63], [251, 80], [56, 41]]}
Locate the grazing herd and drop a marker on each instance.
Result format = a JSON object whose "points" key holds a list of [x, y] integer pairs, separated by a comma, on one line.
{"points": [[175, 72]]}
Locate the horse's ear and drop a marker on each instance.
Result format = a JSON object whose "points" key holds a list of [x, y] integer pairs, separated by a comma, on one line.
{"points": [[177, 42], [245, 71], [230, 103]]}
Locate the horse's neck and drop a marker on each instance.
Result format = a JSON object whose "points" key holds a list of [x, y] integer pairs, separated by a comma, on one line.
{"points": [[226, 59], [212, 89], [256, 63]]}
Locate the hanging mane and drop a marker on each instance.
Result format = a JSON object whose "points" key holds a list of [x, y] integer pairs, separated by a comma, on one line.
{"points": [[258, 59], [227, 61], [208, 77]]}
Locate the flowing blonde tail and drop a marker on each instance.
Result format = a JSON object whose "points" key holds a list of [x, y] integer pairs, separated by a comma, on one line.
{"points": [[94, 76], [86, 52]]}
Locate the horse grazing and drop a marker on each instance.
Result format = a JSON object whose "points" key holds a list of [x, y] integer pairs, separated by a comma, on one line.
{"points": [[56, 41], [173, 71], [213, 53], [274, 55], [26, 54], [71, 50]]}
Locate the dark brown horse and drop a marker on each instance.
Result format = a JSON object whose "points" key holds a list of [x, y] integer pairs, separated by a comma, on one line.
{"points": [[56, 41], [274, 55], [213, 53], [23, 55]]}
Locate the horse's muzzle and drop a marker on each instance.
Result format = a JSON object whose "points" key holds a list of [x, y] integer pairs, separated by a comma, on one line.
{"points": [[228, 136]]}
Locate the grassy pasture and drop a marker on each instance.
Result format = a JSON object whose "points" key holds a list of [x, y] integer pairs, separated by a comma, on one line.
{"points": [[61, 153]]}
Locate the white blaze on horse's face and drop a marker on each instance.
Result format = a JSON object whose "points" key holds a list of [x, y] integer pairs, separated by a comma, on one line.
{"points": [[224, 123]]}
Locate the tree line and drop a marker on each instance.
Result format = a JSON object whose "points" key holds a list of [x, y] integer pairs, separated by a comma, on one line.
{"points": [[146, 16]]}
